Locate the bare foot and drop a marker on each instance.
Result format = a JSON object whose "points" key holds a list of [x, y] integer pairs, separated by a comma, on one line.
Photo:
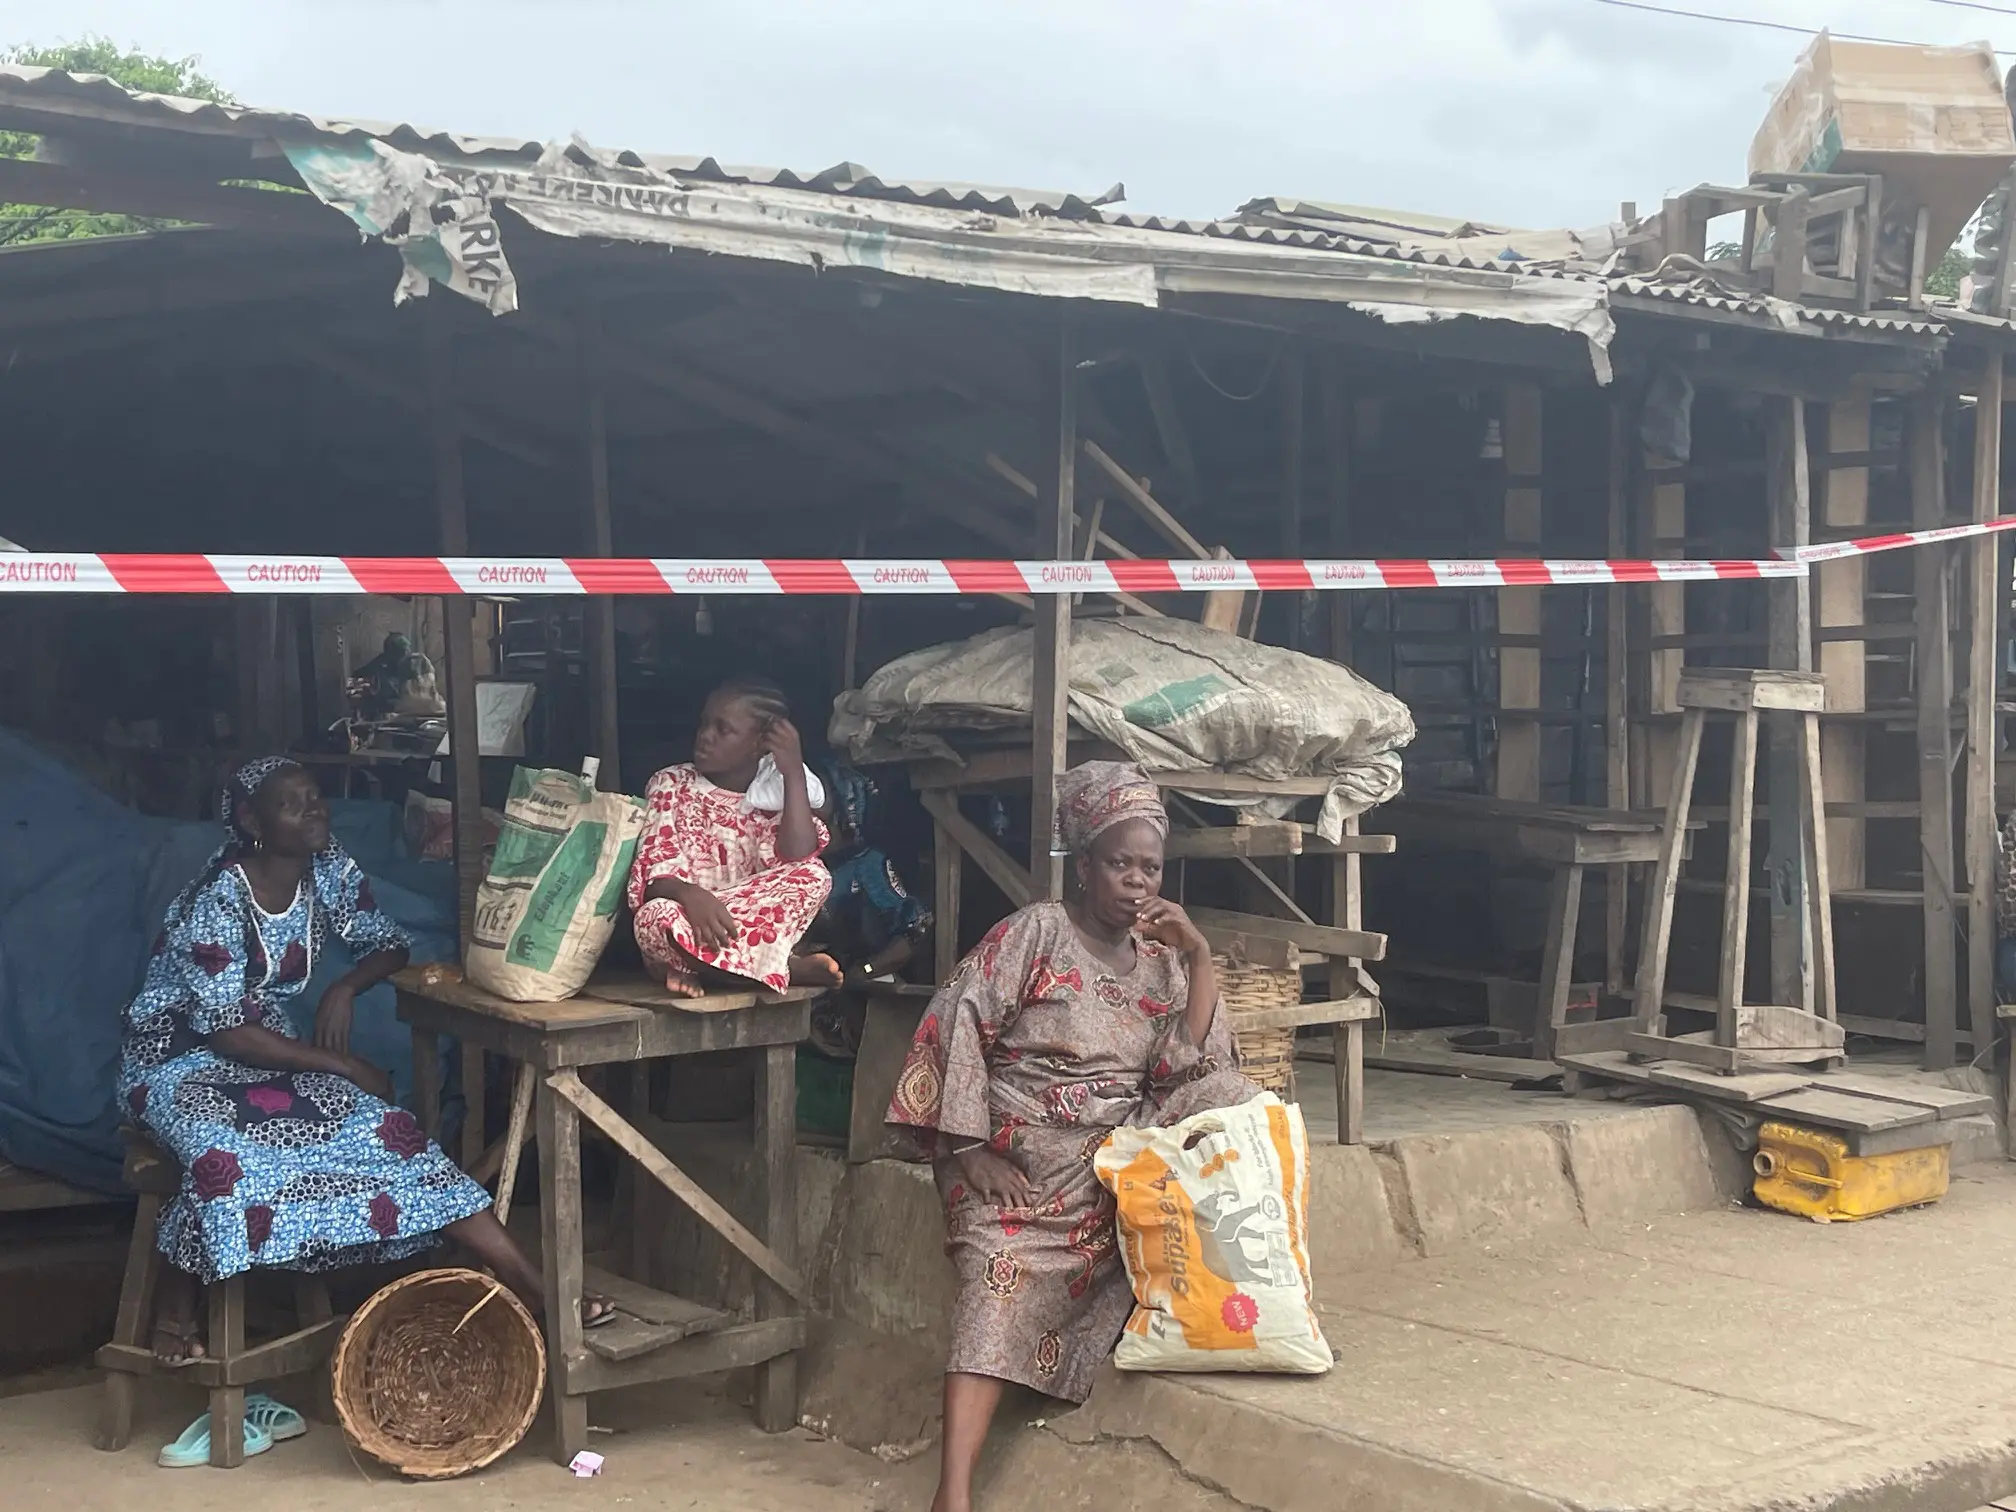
{"points": [[177, 1342], [819, 970]]}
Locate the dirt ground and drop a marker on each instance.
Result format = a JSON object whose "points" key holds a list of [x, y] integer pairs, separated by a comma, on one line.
{"points": [[671, 1448]]}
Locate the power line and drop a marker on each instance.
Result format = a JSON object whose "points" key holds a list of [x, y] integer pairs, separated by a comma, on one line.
{"points": [[1999, 10], [1779, 26]]}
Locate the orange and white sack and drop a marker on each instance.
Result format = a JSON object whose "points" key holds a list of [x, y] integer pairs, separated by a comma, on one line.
{"points": [[1214, 1230]]}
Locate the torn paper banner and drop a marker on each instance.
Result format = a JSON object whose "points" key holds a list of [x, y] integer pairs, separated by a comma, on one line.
{"points": [[444, 228]]}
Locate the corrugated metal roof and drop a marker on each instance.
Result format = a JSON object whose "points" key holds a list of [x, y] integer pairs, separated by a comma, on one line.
{"points": [[1709, 297]]}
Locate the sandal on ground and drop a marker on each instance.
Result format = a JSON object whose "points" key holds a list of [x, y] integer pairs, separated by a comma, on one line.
{"points": [[188, 1335], [193, 1447], [276, 1418]]}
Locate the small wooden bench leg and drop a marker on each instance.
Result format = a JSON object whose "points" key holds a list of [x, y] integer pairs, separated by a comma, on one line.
{"points": [[1557, 965], [227, 1403], [312, 1306], [427, 1081], [475, 1092], [776, 1135], [134, 1323]]}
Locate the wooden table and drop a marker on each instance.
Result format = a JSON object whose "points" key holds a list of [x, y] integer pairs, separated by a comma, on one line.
{"points": [[1563, 837], [656, 1336]]}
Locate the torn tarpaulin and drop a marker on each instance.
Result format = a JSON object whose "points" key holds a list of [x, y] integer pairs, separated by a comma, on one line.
{"points": [[444, 227]]}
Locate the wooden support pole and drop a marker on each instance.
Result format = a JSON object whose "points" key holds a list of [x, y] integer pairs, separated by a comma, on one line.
{"points": [[1519, 610], [1616, 698], [948, 875], [458, 614], [1056, 516], [599, 613], [1984, 596], [564, 1262], [1841, 593], [776, 1140], [1666, 615], [1293, 405], [1335, 404], [1791, 648], [1925, 444]]}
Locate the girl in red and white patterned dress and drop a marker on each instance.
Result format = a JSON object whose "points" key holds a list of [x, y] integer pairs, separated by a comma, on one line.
{"points": [[722, 888]]}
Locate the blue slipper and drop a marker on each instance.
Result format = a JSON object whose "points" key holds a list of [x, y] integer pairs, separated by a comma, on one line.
{"points": [[193, 1447], [280, 1421]]}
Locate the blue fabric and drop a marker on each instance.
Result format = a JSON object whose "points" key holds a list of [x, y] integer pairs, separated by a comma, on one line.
{"points": [[84, 885], [298, 1170]]}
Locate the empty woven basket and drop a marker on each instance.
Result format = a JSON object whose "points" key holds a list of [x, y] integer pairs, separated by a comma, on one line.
{"points": [[439, 1374], [1267, 1056]]}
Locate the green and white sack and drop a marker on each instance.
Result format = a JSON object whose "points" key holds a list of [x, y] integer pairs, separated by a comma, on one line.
{"points": [[546, 910]]}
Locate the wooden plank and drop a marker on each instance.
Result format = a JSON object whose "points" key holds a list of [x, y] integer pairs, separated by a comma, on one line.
{"points": [[1616, 691], [1144, 503], [738, 1348], [1321, 938], [1347, 844], [1839, 591], [599, 612], [1355, 1010], [1702, 1050], [1984, 596], [1657, 938], [1272, 837], [458, 616], [1838, 1110], [523, 1085], [1789, 612], [1239, 785], [776, 1140], [1946, 1102], [999, 866], [1050, 718], [1254, 950], [1750, 1087], [947, 867], [635, 990], [1766, 1026], [568, 1086], [1611, 1065], [563, 1262], [1925, 442], [1518, 769]]}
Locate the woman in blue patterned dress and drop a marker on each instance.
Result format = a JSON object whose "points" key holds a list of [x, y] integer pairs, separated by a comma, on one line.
{"points": [[292, 1153]]}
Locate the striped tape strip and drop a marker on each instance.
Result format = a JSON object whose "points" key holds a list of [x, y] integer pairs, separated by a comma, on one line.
{"points": [[49, 572], [56, 572]]}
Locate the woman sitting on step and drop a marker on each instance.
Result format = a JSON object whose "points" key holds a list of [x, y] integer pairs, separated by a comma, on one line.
{"points": [[1068, 1021]]}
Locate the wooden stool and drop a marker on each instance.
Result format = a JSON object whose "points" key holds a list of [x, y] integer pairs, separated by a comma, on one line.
{"points": [[230, 1365], [1744, 1038]]}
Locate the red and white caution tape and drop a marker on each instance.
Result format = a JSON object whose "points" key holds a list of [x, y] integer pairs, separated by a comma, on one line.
{"points": [[46, 572], [1869, 545]]}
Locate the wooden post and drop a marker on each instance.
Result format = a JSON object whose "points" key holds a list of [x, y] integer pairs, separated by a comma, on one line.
{"points": [[1616, 699], [261, 715], [1926, 445], [1983, 603], [599, 613], [1056, 518], [1336, 407], [1293, 404], [1841, 589], [776, 1138], [1666, 615], [948, 872], [565, 1265], [1519, 608], [1791, 648], [1347, 1041], [458, 613]]}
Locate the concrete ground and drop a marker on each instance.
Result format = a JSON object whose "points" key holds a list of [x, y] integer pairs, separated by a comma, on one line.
{"points": [[672, 1449], [1402, 1103], [1720, 1361]]}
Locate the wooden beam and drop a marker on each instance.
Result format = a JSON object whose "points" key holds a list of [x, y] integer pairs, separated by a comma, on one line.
{"points": [[370, 380], [1056, 516], [1519, 613], [1616, 695], [1840, 590], [1790, 615], [1336, 406], [1145, 503], [458, 614], [1294, 407], [1169, 428], [1323, 939], [159, 197], [568, 1086], [599, 613], [1984, 606], [1000, 867]]}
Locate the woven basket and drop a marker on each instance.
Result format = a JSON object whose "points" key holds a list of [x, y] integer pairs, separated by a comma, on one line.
{"points": [[439, 1374], [1267, 1056]]}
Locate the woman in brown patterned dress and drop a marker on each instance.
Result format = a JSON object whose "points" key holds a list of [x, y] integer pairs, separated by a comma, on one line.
{"points": [[1068, 1021]]}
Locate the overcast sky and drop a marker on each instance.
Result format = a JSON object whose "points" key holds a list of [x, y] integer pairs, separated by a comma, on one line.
{"points": [[1526, 112]]}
